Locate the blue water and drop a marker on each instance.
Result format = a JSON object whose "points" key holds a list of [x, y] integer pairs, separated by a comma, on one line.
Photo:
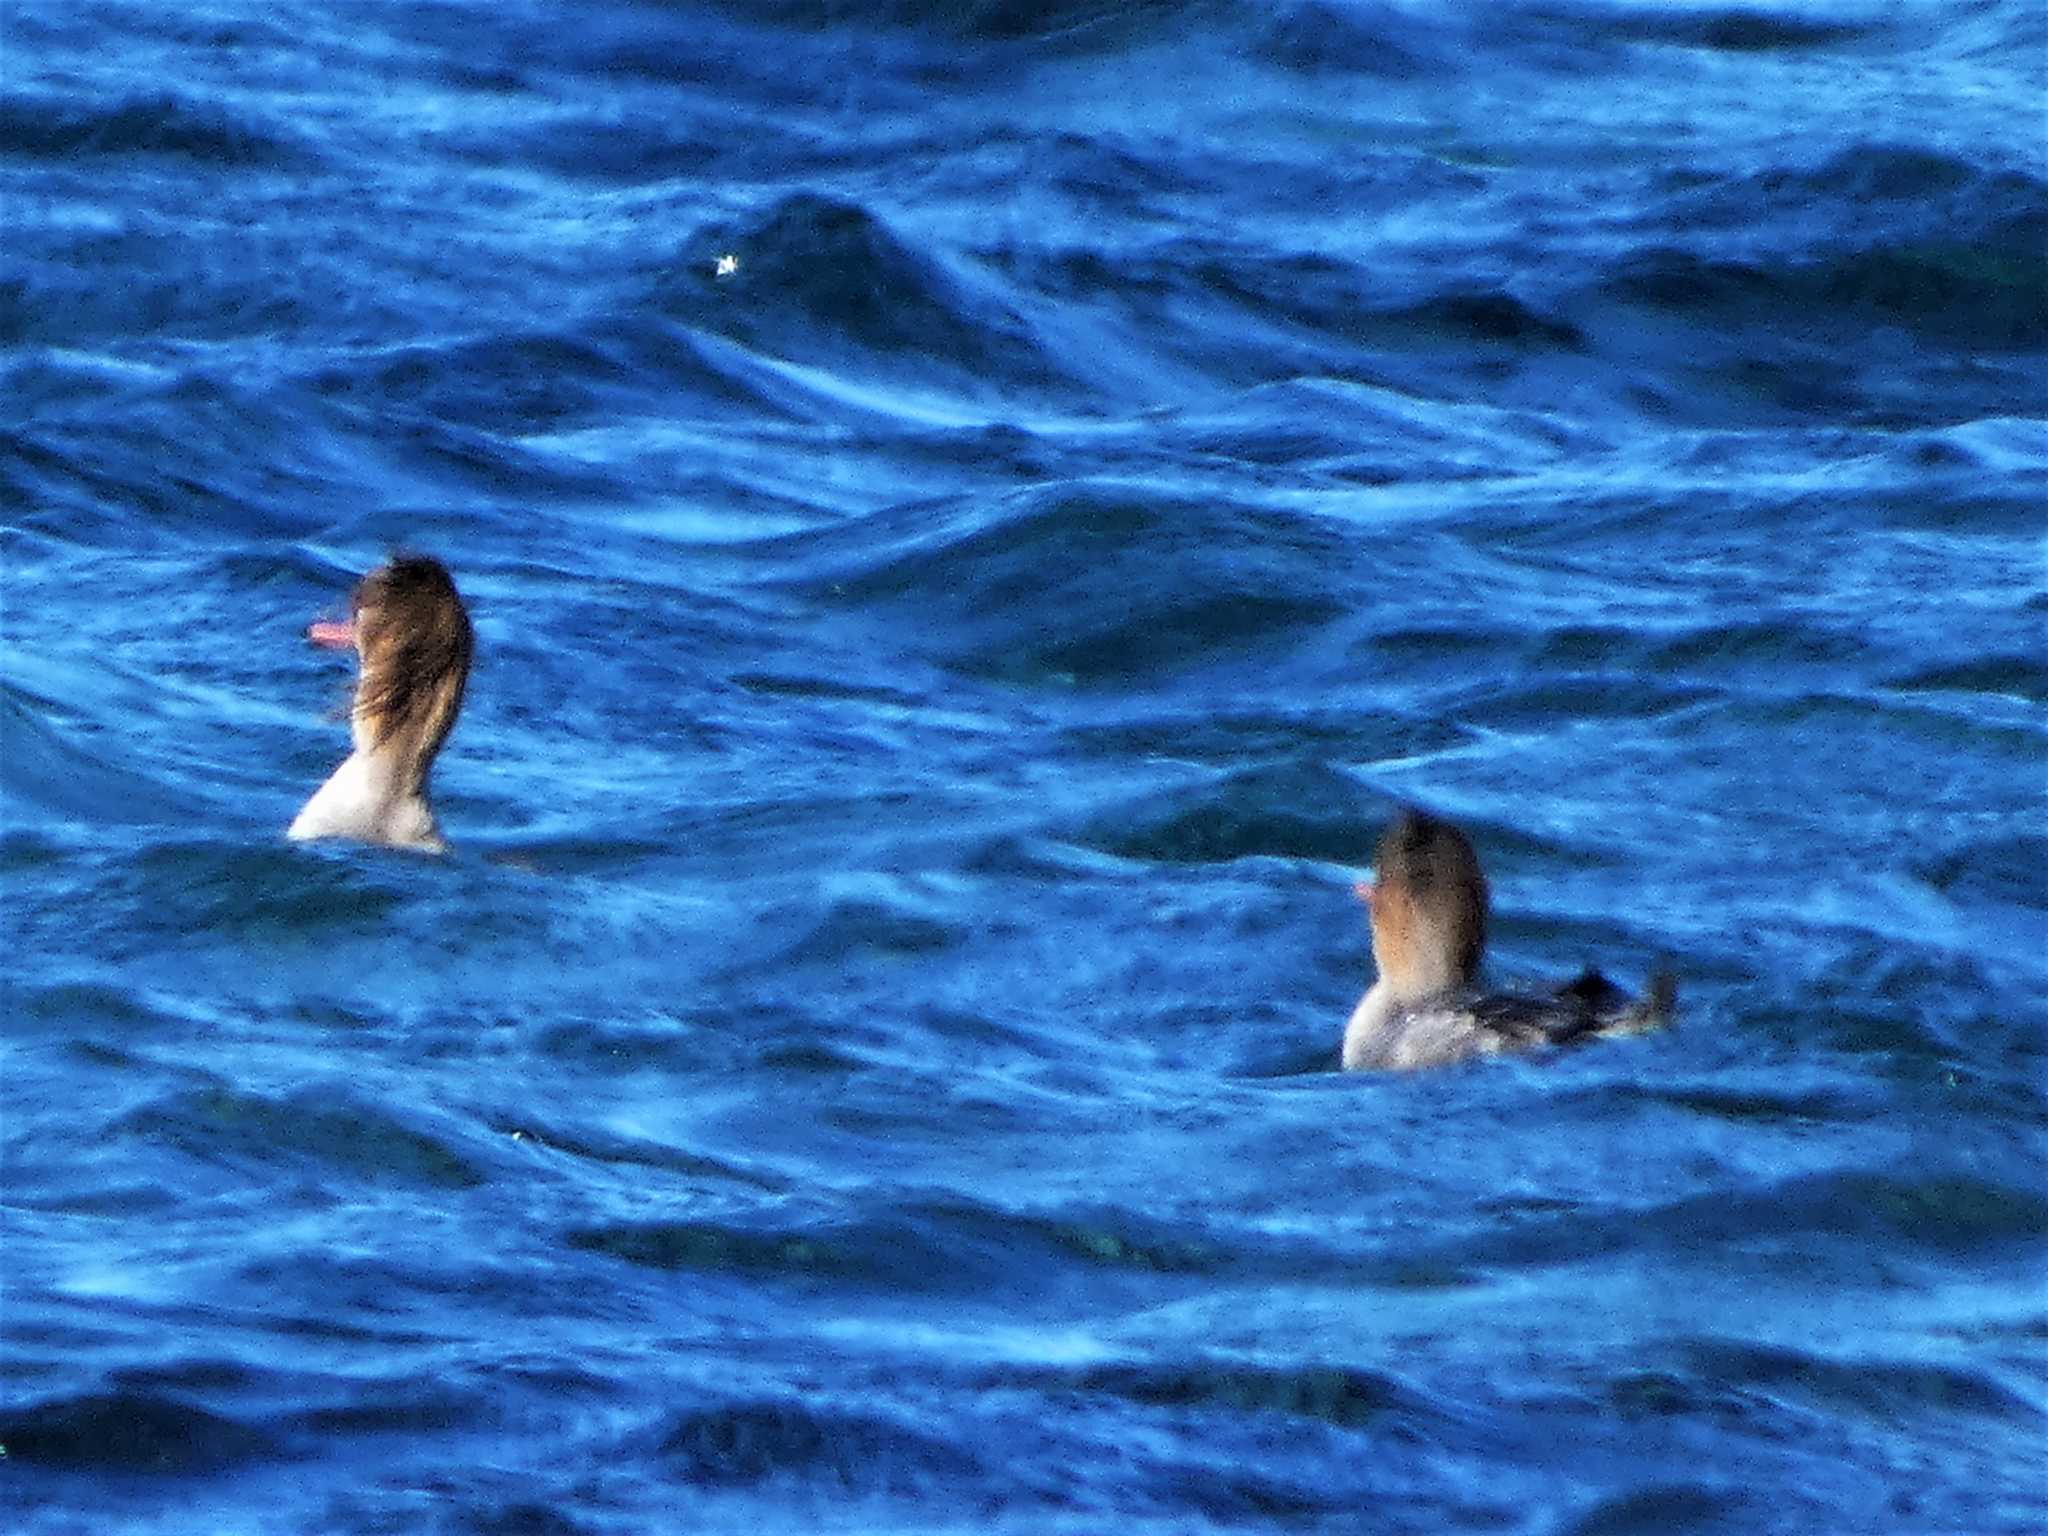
{"points": [[870, 1062]]}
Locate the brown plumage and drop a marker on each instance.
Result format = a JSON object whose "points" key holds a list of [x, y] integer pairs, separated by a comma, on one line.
{"points": [[1429, 906], [413, 639]]}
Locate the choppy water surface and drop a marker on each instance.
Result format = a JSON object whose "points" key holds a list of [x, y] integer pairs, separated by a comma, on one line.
{"points": [[870, 1062]]}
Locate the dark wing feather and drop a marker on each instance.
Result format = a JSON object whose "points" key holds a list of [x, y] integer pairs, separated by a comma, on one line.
{"points": [[1587, 1006]]}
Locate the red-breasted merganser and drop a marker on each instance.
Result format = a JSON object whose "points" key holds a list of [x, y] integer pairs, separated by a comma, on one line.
{"points": [[1428, 902], [413, 640]]}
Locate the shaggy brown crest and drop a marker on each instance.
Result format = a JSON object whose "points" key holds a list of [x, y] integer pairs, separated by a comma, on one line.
{"points": [[415, 641], [1429, 905]]}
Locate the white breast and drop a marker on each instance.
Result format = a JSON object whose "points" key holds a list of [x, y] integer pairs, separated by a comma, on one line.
{"points": [[360, 800]]}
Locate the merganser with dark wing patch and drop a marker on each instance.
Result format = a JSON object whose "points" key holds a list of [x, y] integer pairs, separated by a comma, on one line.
{"points": [[1429, 902]]}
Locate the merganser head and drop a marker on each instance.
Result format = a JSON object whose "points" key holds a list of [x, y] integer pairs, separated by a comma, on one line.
{"points": [[1428, 902], [413, 641], [413, 637]]}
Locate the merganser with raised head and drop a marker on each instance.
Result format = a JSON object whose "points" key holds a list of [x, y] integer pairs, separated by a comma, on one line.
{"points": [[1428, 902], [412, 639]]}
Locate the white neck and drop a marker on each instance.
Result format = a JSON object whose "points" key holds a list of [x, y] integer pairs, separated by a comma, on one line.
{"points": [[370, 798], [1369, 1021], [1376, 1023]]}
